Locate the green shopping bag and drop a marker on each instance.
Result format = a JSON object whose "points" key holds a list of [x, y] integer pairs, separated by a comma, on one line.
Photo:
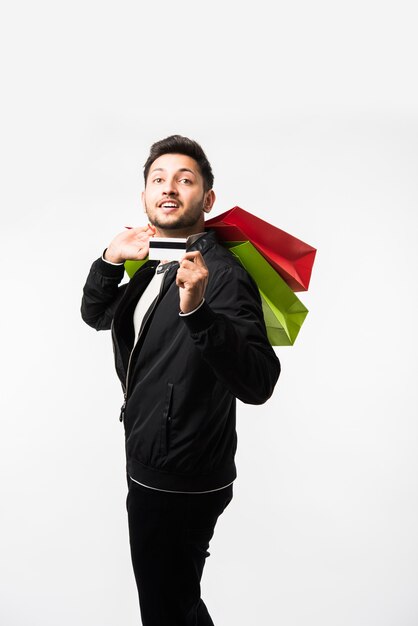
{"points": [[131, 267], [283, 312]]}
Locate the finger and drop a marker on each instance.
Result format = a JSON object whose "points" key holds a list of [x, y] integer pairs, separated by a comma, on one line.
{"points": [[196, 257], [187, 277], [183, 275], [192, 255], [140, 229], [189, 265], [193, 269], [179, 281]]}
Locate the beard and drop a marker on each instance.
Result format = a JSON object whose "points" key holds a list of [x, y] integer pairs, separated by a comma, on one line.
{"points": [[173, 222]]}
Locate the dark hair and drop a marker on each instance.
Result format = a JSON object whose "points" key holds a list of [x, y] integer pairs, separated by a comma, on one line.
{"points": [[176, 144]]}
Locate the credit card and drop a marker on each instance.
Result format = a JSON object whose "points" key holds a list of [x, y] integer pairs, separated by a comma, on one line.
{"points": [[166, 248]]}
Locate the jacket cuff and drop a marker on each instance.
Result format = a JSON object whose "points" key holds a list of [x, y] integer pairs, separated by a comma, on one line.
{"points": [[200, 319], [194, 310], [109, 270]]}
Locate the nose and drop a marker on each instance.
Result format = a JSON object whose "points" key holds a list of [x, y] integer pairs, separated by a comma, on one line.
{"points": [[169, 188]]}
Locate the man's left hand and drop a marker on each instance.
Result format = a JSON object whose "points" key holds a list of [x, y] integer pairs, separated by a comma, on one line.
{"points": [[192, 278]]}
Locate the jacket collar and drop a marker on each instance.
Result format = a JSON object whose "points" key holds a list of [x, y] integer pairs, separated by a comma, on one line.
{"points": [[204, 242]]}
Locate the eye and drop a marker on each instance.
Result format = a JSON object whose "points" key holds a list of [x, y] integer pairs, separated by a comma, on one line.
{"points": [[157, 180], [185, 180]]}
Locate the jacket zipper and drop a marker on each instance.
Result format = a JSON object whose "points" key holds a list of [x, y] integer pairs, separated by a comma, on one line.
{"points": [[148, 315]]}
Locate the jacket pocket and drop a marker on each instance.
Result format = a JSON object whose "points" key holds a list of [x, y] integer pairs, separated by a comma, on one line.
{"points": [[166, 420]]}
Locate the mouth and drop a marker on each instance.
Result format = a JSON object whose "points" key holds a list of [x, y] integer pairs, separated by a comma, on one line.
{"points": [[168, 206]]}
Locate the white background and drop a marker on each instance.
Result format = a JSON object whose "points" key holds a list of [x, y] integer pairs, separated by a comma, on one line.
{"points": [[308, 114]]}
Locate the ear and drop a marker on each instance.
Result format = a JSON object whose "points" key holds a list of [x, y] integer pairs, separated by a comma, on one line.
{"points": [[143, 201], [209, 201]]}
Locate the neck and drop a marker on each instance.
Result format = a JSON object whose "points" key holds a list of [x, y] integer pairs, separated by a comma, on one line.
{"points": [[180, 232]]}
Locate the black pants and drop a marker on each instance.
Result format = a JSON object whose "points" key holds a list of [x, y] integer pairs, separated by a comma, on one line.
{"points": [[169, 536]]}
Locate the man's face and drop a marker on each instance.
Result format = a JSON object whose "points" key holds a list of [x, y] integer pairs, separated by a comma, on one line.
{"points": [[174, 197]]}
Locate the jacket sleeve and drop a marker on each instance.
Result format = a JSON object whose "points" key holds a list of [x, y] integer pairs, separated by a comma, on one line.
{"points": [[101, 294], [230, 333]]}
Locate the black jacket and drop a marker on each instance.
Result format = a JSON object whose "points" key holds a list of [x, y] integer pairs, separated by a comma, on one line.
{"points": [[185, 372]]}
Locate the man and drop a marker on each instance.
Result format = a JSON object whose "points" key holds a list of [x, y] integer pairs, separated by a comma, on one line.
{"points": [[189, 338]]}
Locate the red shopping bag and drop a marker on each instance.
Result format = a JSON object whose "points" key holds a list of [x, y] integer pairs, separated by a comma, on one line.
{"points": [[291, 258]]}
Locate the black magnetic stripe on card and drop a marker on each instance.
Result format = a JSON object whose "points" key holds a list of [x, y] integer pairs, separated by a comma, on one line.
{"points": [[167, 244]]}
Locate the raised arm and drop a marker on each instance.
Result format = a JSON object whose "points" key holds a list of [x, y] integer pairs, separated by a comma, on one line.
{"points": [[228, 328], [102, 293]]}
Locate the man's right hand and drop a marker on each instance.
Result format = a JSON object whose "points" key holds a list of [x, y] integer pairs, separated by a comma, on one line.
{"points": [[132, 244]]}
